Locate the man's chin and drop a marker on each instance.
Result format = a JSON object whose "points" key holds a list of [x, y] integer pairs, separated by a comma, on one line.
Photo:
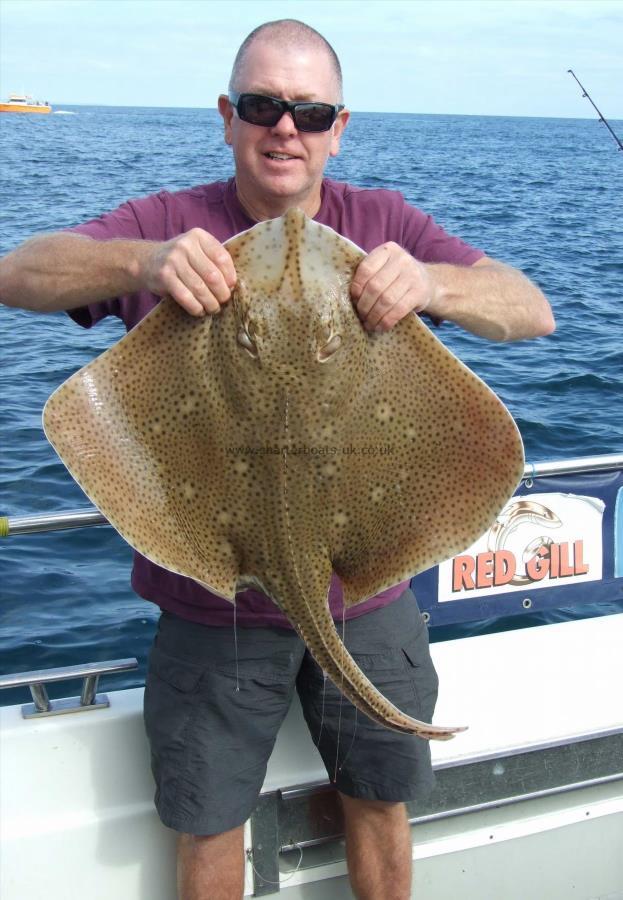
{"points": [[275, 195], [284, 186], [288, 191]]}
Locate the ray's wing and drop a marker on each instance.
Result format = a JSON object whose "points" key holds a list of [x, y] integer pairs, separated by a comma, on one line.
{"points": [[446, 456], [137, 428]]}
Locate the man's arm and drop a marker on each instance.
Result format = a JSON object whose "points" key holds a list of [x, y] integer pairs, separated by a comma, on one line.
{"points": [[65, 271], [489, 299]]}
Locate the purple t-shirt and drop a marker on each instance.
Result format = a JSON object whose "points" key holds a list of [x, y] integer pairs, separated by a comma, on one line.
{"points": [[366, 217]]}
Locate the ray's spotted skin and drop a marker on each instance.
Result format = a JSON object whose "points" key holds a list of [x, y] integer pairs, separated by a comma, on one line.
{"points": [[278, 441]]}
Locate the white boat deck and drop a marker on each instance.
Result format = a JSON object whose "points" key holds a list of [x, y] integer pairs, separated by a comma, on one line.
{"points": [[76, 792]]}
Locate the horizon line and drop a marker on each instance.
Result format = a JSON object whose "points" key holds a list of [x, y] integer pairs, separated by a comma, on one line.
{"points": [[55, 104]]}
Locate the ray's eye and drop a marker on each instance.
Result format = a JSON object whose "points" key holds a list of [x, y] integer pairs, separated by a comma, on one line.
{"points": [[332, 345], [245, 341]]}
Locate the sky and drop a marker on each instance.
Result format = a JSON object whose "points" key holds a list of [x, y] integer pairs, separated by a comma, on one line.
{"points": [[495, 57]]}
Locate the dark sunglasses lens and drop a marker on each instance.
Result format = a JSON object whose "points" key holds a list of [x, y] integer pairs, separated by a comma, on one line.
{"points": [[259, 110], [267, 111], [314, 117]]}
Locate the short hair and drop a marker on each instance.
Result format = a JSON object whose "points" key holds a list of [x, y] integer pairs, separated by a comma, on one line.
{"points": [[293, 33]]}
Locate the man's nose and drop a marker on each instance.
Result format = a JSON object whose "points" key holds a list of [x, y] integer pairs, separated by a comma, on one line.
{"points": [[285, 125]]}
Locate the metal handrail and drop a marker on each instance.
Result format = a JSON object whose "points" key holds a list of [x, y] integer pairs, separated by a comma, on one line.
{"points": [[77, 518], [581, 465], [65, 673], [89, 698], [89, 516]]}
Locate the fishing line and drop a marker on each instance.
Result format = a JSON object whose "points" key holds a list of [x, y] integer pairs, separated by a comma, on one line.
{"points": [[339, 721], [352, 741], [324, 692], [236, 646]]}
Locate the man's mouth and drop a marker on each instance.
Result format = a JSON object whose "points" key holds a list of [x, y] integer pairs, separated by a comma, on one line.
{"points": [[282, 156]]}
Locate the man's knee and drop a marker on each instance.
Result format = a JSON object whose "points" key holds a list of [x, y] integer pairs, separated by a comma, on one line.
{"points": [[195, 843], [363, 806]]}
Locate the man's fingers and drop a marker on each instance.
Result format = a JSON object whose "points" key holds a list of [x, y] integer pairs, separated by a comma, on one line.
{"points": [[204, 279], [367, 269], [210, 292], [218, 255], [196, 270], [387, 301], [187, 288], [186, 299], [387, 285], [398, 311], [380, 291]]}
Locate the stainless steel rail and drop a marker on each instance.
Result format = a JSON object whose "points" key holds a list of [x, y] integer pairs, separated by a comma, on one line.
{"points": [[84, 518], [77, 518], [89, 698], [579, 466], [65, 673]]}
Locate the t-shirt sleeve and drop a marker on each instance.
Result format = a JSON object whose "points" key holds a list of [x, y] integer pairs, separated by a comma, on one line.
{"points": [[430, 243], [143, 219]]}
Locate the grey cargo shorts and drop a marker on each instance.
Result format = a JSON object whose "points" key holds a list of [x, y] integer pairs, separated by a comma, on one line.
{"points": [[212, 724]]}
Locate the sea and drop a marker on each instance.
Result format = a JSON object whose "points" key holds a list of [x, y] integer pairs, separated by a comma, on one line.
{"points": [[545, 195]]}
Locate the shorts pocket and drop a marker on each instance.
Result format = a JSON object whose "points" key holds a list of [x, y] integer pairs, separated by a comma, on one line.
{"points": [[391, 672], [423, 674], [181, 675]]}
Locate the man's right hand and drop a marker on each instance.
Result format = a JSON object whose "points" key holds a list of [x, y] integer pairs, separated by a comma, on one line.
{"points": [[194, 269]]}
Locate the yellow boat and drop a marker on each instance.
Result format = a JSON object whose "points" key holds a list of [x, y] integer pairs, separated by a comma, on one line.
{"points": [[23, 103]]}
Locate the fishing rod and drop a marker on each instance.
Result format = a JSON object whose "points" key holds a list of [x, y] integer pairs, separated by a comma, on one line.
{"points": [[586, 94]]}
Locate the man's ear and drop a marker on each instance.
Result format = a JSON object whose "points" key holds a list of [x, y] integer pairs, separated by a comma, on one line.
{"points": [[338, 129], [227, 111]]}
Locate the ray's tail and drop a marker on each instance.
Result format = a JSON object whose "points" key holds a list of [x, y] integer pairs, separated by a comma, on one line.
{"points": [[317, 629]]}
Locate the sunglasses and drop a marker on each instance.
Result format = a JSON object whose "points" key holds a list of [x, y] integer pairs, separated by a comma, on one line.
{"points": [[267, 111]]}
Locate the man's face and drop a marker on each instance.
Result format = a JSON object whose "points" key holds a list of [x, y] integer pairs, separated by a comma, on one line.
{"points": [[268, 186]]}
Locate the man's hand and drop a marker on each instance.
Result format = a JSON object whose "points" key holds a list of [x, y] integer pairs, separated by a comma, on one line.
{"points": [[487, 298], [388, 284], [194, 269]]}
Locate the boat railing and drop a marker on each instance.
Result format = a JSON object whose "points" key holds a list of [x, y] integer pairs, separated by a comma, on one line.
{"points": [[89, 699]]}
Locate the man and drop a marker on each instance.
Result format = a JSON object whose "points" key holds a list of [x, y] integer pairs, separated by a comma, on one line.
{"points": [[210, 743]]}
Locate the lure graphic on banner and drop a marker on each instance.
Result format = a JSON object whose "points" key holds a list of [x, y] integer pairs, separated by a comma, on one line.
{"points": [[539, 540]]}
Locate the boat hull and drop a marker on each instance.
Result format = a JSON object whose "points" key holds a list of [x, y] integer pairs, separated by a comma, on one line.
{"points": [[25, 108]]}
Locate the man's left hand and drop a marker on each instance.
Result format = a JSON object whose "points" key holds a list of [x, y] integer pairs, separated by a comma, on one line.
{"points": [[389, 284]]}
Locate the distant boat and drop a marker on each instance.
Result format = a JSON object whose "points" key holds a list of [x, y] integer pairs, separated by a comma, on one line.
{"points": [[23, 103]]}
